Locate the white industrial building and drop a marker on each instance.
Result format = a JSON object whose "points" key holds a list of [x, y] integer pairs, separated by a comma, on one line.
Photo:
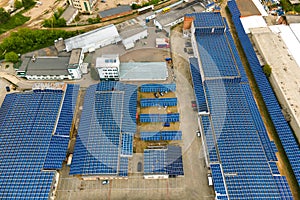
{"points": [[94, 39], [130, 36], [69, 14], [108, 67], [52, 67]]}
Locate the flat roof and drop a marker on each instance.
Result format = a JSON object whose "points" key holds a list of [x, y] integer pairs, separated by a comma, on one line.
{"points": [[75, 56], [46, 66], [277, 56], [247, 8], [115, 11], [141, 71], [69, 12], [173, 15], [253, 22]]}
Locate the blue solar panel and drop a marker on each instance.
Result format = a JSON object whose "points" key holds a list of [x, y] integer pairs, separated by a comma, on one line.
{"points": [[127, 144], [283, 187], [174, 117], [56, 152], [67, 111], [158, 88], [106, 114], [161, 135], [198, 87], [158, 102], [209, 139], [282, 128], [202, 22], [218, 181], [123, 169], [28, 120], [163, 161], [274, 168], [154, 161], [174, 166], [216, 56]]}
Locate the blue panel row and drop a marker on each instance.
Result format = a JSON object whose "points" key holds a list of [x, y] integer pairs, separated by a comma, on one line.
{"points": [[163, 161], [283, 130], [283, 187], [218, 181], [154, 161], [201, 21], [174, 166], [274, 168], [158, 88], [209, 139], [174, 117], [67, 111], [56, 152], [27, 122], [127, 144], [198, 87], [158, 102], [123, 169], [216, 57], [162, 135]]}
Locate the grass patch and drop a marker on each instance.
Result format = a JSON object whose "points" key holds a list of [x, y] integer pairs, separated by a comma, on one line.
{"points": [[287, 6], [264, 112], [16, 20]]}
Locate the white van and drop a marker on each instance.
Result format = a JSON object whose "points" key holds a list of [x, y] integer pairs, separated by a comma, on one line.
{"points": [[210, 180]]}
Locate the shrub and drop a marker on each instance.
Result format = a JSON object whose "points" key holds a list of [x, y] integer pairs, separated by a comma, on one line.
{"points": [[267, 70]]}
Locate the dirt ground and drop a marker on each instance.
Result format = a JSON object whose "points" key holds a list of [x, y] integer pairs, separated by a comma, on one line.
{"points": [[4, 3], [247, 8], [157, 55]]}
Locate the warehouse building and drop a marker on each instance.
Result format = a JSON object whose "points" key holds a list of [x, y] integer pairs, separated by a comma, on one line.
{"points": [[108, 67], [35, 131], [69, 14], [94, 39], [133, 34], [106, 130], [52, 67], [235, 141]]}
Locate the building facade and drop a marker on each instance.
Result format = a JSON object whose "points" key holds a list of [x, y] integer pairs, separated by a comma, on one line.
{"points": [[84, 6], [108, 67]]}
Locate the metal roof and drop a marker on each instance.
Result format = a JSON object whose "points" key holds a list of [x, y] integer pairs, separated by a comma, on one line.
{"points": [[115, 11]]}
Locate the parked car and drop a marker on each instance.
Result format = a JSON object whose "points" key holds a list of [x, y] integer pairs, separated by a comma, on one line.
{"points": [[198, 133], [161, 94], [105, 182], [194, 105], [7, 89], [155, 95]]}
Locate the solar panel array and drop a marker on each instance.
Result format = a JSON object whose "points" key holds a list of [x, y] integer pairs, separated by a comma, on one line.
{"points": [[158, 102], [163, 161], [283, 130], [216, 56], [26, 125], [173, 117], [127, 144], [274, 168], [158, 88], [161, 135], [106, 130], [67, 111], [237, 143], [57, 152], [198, 87], [283, 187], [218, 181]]}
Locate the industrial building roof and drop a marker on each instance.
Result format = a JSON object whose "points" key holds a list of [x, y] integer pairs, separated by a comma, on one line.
{"points": [[173, 15], [68, 13], [115, 11], [138, 71], [131, 30], [253, 22], [92, 39], [237, 143], [45, 66], [106, 129]]}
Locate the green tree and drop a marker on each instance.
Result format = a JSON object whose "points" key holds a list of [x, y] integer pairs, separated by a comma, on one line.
{"points": [[267, 70], [11, 57], [28, 3], [18, 4], [4, 16]]}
